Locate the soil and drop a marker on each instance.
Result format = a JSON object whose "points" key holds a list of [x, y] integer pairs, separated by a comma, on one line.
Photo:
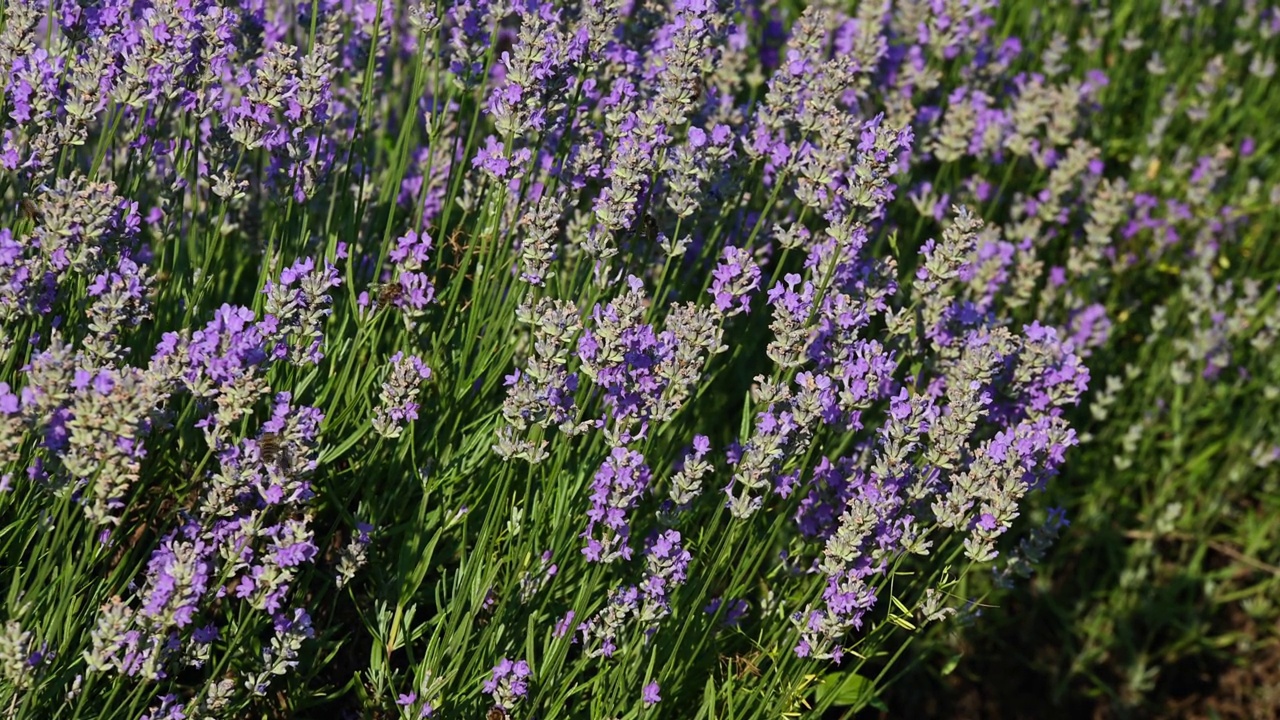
{"points": [[1004, 683], [1247, 689]]}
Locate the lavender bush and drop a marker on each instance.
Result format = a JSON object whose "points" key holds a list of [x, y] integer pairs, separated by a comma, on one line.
{"points": [[598, 360]]}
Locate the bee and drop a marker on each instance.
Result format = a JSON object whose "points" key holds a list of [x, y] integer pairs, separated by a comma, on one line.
{"points": [[497, 712], [650, 228], [273, 451], [390, 293], [28, 208]]}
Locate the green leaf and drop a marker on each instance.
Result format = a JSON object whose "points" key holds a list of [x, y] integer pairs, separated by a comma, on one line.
{"points": [[708, 700], [950, 665], [845, 689]]}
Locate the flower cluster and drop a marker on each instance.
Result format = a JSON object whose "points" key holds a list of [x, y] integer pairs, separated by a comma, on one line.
{"points": [[618, 485], [509, 683], [398, 403]]}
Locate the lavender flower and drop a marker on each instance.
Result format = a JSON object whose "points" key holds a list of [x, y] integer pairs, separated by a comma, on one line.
{"points": [[622, 478], [169, 708], [509, 683], [354, 554], [412, 286], [533, 582], [295, 308], [20, 660], [542, 394], [733, 281], [94, 421], [650, 696], [686, 483], [617, 181], [667, 563], [398, 400], [281, 655], [601, 633]]}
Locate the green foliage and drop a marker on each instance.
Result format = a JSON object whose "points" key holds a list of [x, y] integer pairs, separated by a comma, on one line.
{"points": [[1162, 592]]}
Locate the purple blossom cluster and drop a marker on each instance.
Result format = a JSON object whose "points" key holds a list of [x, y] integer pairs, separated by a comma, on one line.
{"points": [[354, 554], [927, 471], [78, 229], [398, 401], [641, 606], [233, 69], [733, 281], [412, 290], [926, 366], [246, 542], [509, 683], [667, 566], [21, 658], [296, 307], [543, 393], [246, 535], [644, 375], [686, 483], [618, 486]]}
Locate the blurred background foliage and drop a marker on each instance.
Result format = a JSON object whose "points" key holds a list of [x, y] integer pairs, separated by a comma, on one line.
{"points": [[1162, 600]]}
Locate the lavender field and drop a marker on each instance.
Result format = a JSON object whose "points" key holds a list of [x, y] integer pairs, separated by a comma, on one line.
{"points": [[632, 359]]}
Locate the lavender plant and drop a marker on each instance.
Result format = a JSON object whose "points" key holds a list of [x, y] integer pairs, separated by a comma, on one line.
{"points": [[534, 359]]}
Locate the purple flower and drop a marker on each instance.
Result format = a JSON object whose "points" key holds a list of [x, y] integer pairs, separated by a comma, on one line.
{"points": [[563, 624], [667, 563], [398, 401], [734, 280], [508, 683], [650, 695], [170, 708], [492, 158], [601, 633], [622, 478]]}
